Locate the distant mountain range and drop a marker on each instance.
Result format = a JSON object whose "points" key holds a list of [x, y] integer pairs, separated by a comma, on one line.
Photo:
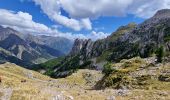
{"points": [[26, 49]]}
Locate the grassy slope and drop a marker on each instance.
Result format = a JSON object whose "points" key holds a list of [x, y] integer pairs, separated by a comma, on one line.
{"points": [[50, 64], [79, 86], [12, 77], [113, 37], [137, 73]]}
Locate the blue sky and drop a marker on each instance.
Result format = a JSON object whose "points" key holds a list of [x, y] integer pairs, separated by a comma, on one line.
{"points": [[29, 7], [83, 20]]}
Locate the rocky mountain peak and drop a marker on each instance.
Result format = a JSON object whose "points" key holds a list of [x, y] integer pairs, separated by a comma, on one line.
{"points": [[161, 17], [78, 44], [164, 13], [127, 41]]}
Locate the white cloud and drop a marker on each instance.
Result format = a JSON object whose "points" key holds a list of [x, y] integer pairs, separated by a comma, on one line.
{"points": [[52, 9], [22, 21], [86, 23], [147, 8], [97, 8], [93, 35], [82, 11], [98, 35]]}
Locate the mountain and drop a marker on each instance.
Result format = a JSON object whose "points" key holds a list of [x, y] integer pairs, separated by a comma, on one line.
{"points": [[58, 43], [8, 56], [132, 63], [28, 48], [129, 41], [150, 38], [90, 49]]}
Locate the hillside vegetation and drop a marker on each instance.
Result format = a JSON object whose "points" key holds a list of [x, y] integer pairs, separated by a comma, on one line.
{"points": [[21, 84]]}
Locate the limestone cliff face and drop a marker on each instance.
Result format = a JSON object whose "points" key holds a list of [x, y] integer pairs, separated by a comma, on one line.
{"points": [[88, 49], [129, 41], [78, 44]]}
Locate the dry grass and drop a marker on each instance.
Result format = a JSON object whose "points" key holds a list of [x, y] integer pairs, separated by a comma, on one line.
{"points": [[40, 87]]}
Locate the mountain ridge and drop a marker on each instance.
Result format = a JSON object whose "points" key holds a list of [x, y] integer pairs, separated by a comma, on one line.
{"points": [[28, 48], [147, 26], [143, 40]]}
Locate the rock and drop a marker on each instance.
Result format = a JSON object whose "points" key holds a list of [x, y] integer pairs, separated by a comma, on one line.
{"points": [[164, 13], [71, 97], [63, 97], [122, 92], [111, 98], [85, 91], [58, 97], [78, 94], [165, 78], [163, 93], [23, 81]]}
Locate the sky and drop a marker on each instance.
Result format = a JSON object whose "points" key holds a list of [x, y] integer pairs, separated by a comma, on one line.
{"points": [[95, 19]]}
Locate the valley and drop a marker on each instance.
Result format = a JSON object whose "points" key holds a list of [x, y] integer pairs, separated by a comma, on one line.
{"points": [[27, 50], [132, 63]]}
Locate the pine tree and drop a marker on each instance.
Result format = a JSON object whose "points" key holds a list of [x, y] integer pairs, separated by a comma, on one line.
{"points": [[160, 54]]}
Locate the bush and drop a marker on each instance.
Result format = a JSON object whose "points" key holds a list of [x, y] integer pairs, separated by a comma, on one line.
{"points": [[50, 73], [108, 69], [160, 54], [86, 64]]}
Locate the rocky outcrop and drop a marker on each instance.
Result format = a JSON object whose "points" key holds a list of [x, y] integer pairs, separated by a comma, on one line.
{"points": [[78, 44], [129, 41], [90, 49]]}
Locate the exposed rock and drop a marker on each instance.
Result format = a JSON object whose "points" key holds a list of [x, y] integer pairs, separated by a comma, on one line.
{"points": [[111, 98], [78, 44], [122, 92], [129, 41], [165, 78], [163, 93], [164, 13]]}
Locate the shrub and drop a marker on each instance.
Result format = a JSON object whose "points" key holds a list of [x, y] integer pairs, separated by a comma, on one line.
{"points": [[118, 80], [160, 54], [86, 64], [50, 73], [108, 69], [167, 34]]}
